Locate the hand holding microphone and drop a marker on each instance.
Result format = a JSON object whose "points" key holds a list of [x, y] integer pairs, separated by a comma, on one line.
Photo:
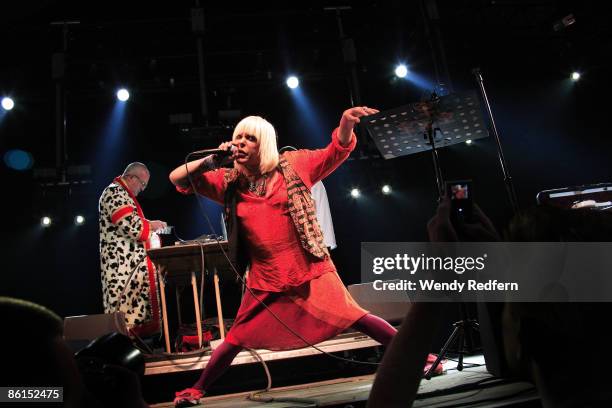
{"points": [[215, 158], [219, 157], [225, 149]]}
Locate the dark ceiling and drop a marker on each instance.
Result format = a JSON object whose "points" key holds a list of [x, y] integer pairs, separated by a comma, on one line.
{"points": [[247, 49], [152, 46]]}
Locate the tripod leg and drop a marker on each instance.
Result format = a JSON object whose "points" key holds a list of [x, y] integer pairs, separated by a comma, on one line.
{"points": [[442, 353]]}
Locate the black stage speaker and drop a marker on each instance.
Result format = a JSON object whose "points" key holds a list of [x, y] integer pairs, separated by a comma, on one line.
{"points": [[90, 327], [389, 305]]}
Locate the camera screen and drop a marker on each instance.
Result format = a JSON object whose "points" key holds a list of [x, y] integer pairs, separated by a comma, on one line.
{"points": [[459, 192]]}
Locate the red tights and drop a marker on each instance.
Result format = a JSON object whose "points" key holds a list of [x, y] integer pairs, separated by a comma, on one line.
{"points": [[222, 357]]}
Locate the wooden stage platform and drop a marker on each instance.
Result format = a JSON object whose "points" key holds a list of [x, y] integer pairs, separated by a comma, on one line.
{"points": [[472, 387]]}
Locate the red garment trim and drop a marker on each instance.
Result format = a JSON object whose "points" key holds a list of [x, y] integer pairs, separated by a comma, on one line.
{"points": [[146, 228], [120, 213], [144, 235]]}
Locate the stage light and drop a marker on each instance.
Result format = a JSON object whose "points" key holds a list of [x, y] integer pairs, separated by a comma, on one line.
{"points": [[355, 193], [123, 95], [401, 71], [386, 189], [293, 82], [575, 76], [46, 221], [7, 103], [468, 142], [79, 220], [17, 159]]}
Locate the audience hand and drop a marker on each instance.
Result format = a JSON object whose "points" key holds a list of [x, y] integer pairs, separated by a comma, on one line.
{"points": [[441, 229]]}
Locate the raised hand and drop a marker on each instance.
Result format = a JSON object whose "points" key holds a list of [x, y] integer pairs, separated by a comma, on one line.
{"points": [[349, 118]]}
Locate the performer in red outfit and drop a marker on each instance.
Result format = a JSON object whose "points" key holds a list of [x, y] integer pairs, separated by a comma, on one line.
{"points": [[272, 221]]}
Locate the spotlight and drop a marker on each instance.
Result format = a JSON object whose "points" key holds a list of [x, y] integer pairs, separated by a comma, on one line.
{"points": [[45, 221], [401, 71], [79, 220], [123, 95], [7, 103], [386, 189], [468, 142], [18, 159], [575, 76], [355, 193], [293, 82]]}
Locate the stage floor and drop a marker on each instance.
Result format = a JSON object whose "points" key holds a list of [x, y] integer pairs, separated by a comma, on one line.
{"points": [[181, 362], [473, 387]]}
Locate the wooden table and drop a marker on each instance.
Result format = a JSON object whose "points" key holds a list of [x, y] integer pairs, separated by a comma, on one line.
{"points": [[182, 262]]}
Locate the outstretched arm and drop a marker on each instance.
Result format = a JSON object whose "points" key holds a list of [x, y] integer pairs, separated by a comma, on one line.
{"points": [[315, 165]]}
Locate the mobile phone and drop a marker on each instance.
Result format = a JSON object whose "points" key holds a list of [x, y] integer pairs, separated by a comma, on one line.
{"points": [[461, 194]]}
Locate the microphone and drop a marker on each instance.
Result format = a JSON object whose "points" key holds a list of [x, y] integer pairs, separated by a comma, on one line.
{"points": [[216, 152]]}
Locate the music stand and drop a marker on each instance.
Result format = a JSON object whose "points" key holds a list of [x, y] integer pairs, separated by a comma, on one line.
{"points": [[438, 122]]}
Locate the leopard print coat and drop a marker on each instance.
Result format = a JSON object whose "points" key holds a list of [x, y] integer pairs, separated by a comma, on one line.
{"points": [[124, 235]]}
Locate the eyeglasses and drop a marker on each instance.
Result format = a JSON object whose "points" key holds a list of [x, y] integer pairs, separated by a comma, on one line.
{"points": [[142, 183]]}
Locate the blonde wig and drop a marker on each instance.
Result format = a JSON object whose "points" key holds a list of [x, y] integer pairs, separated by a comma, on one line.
{"points": [[266, 136]]}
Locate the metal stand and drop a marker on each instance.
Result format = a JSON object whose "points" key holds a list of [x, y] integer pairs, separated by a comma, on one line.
{"points": [[431, 136], [463, 331], [502, 161]]}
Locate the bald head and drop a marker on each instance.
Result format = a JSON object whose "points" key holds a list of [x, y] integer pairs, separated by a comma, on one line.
{"points": [[135, 168]]}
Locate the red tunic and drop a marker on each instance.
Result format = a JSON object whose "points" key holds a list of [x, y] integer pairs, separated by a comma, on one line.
{"points": [[278, 263]]}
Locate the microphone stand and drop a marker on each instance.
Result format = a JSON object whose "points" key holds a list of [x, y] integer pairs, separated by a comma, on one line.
{"points": [[502, 161]]}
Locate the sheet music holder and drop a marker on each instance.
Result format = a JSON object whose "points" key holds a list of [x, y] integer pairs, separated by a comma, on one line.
{"points": [[427, 125], [403, 131]]}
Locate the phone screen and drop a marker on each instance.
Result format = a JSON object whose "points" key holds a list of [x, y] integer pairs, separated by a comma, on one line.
{"points": [[460, 191], [460, 194]]}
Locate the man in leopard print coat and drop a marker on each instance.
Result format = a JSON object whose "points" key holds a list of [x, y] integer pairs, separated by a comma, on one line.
{"points": [[129, 281]]}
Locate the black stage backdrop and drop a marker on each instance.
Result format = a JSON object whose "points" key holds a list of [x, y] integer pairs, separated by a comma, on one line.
{"points": [[554, 131]]}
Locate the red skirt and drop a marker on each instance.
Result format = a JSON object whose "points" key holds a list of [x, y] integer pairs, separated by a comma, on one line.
{"points": [[317, 310]]}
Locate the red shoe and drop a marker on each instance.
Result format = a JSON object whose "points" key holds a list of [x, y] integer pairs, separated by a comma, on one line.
{"points": [[188, 397]]}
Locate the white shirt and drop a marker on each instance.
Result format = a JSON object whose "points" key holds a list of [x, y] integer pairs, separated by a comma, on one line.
{"points": [[319, 195]]}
